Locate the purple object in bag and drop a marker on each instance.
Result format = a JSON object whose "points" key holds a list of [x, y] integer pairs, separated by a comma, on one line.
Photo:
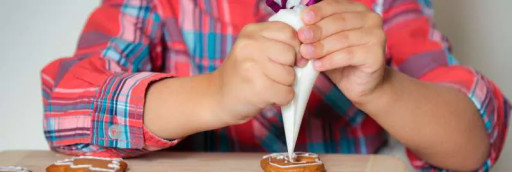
{"points": [[276, 7]]}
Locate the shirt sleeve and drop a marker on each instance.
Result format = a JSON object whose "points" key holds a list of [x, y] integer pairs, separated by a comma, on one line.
{"points": [[94, 101], [417, 49]]}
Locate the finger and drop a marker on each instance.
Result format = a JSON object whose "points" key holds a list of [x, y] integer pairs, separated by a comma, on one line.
{"points": [[324, 28], [337, 42], [282, 74], [281, 32], [317, 12], [353, 56], [280, 94], [280, 53], [284, 33]]}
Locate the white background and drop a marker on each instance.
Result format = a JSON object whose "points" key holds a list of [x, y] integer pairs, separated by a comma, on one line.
{"points": [[33, 33]]}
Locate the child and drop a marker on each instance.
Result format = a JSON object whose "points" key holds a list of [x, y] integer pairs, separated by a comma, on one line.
{"points": [[211, 75]]}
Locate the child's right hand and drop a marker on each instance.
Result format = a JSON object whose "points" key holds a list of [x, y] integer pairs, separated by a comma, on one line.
{"points": [[258, 71]]}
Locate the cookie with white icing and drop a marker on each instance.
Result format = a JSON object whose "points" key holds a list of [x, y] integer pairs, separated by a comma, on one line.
{"points": [[302, 162], [88, 164], [13, 169]]}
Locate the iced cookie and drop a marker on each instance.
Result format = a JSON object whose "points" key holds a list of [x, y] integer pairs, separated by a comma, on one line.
{"points": [[13, 169], [303, 162], [87, 164]]}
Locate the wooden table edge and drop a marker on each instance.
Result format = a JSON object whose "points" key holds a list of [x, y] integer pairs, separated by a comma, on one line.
{"points": [[17, 156]]}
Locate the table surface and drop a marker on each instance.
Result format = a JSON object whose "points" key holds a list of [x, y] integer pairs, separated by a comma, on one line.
{"points": [[188, 161]]}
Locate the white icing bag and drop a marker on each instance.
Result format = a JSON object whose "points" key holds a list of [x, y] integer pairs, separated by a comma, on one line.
{"points": [[305, 79]]}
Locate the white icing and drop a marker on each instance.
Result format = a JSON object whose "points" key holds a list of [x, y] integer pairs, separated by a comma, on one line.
{"points": [[14, 168], [115, 163], [305, 79], [295, 164]]}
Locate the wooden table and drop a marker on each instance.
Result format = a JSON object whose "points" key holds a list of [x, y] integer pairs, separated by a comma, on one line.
{"points": [[183, 161]]}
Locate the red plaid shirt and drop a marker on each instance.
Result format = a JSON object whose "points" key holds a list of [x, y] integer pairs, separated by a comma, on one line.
{"points": [[94, 100]]}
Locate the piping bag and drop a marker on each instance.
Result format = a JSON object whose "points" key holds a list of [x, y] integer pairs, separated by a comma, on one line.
{"points": [[289, 12]]}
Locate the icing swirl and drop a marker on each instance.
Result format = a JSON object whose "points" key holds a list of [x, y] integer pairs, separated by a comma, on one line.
{"points": [[114, 164]]}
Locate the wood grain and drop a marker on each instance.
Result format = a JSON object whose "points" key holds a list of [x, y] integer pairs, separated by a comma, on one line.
{"points": [[188, 161]]}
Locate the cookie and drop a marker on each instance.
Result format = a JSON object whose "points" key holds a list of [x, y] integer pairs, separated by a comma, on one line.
{"points": [[88, 163], [303, 162], [13, 169]]}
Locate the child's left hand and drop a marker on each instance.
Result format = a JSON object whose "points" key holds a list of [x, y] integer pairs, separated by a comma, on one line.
{"points": [[346, 40]]}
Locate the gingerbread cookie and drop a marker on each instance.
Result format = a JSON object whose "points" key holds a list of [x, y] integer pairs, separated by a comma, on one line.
{"points": [[88, 163], [302, 162], [13, 169]]}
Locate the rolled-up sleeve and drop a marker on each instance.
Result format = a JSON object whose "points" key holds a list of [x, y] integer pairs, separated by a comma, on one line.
{"points": [[94, 101], [417, 49]]}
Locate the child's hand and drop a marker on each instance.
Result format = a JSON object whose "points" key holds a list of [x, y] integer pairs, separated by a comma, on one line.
{"points": [[259, 70], [347, 41]]}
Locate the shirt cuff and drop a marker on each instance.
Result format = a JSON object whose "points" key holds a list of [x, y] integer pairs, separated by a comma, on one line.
{"points": [[154, 143], [118, 108], [493, 107]]}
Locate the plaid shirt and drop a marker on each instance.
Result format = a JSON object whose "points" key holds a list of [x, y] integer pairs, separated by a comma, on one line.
{"points": [[93, 101]]}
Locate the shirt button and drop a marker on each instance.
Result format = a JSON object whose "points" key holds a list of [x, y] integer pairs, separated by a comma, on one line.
{"points": [[114, 131]]}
